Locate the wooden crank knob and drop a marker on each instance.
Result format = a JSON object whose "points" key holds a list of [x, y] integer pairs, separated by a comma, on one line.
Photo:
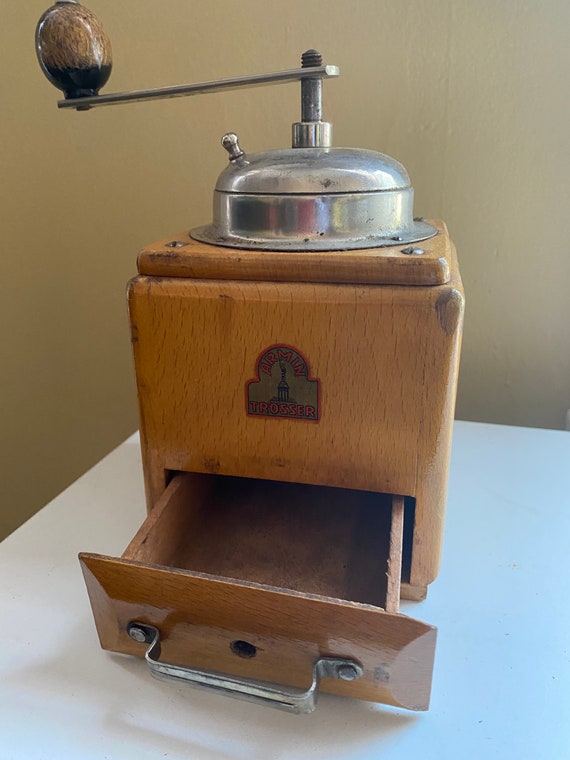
{"points": [[73, 49]]}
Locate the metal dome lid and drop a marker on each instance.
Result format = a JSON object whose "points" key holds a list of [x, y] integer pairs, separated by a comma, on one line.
{"points": [[312, 197], [319, 171]]}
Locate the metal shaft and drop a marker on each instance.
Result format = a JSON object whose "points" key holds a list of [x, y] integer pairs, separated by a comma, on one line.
{"points": [[311, 89], [312, 131]]}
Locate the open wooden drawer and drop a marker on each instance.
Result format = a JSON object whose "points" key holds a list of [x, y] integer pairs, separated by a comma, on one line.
{"points": [[259, 581]]}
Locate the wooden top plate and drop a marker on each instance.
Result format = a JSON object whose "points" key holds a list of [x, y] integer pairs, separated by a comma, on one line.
{"points": [[181, 256]]}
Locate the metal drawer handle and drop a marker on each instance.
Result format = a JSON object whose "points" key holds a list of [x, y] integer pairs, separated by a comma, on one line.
{"points": [[290, 699]]}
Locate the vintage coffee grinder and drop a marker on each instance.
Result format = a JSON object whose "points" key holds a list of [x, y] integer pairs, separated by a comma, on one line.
{"points": [[296, 363]]}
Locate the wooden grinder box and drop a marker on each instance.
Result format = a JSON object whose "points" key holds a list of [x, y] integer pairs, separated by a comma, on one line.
{"points": [[295, 414]]}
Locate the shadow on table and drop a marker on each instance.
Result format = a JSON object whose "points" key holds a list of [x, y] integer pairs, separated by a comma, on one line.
{"points": [[123, 703], [235, 729]]}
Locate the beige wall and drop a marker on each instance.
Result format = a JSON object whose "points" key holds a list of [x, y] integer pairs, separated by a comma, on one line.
{"points": [[471, 95]]}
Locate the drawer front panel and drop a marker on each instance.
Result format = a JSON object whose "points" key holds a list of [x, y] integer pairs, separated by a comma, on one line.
{"points": [[200, 616]]}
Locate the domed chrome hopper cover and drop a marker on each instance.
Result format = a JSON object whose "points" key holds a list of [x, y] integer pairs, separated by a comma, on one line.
{"points": [[312, 197]]}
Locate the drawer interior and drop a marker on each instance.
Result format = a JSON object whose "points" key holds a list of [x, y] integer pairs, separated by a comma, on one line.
{"points": [[331, 542]]}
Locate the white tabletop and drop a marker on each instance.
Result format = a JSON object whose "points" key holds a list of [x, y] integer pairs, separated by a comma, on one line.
{"points": [[501, 687]]}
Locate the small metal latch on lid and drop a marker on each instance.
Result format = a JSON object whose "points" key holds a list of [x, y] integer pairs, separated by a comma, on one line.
{"points": [[290, 699]]}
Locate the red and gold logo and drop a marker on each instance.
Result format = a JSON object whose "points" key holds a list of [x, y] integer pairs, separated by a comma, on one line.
{"points": [[283, 386]]}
